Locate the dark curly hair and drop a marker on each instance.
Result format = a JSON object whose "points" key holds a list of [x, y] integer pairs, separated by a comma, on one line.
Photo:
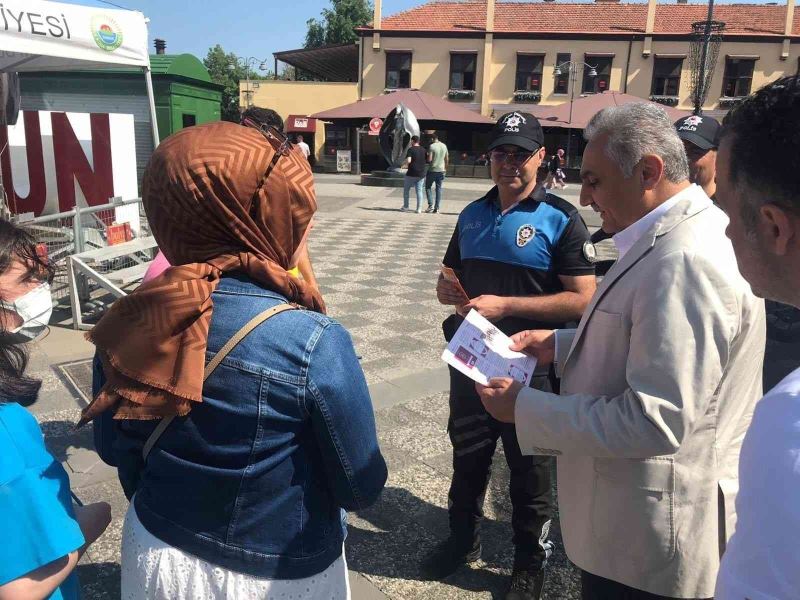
{"points": [[18, 244], [765, 146], [263, 116]]}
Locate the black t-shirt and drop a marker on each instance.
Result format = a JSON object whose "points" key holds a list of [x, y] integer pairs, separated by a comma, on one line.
{"points": [[521, 253], [554, 164], [418, 157]]}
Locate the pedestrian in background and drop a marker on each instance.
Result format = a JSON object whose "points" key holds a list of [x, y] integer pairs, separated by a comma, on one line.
{"points": [[552, 168], [239, 470], [416, 159], [561, 176], [44, 535], [438, 159], [757, 186], [658, 382], [303, 146]]}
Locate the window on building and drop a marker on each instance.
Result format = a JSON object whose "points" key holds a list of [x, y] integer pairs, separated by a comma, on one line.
{"points": [[462, 71], [189, 120], [529, 73], [398, 70], [666, 76], [738, 77], [561, 85], [336, 137], [602, 82]]}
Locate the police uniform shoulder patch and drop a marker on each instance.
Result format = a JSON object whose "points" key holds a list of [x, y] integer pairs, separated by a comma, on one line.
{"points": [[525, 234], [589, 251]]}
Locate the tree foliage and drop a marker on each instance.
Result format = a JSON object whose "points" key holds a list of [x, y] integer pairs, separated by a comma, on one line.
{"points": [[315, 36], [337, 24], [227, 69]]}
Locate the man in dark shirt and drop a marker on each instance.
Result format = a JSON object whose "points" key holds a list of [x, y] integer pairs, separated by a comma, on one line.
{"points": [[416, 158], [523, 257]]}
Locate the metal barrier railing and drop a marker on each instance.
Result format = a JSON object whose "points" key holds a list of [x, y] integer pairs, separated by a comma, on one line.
{"points": [[83, 230]]}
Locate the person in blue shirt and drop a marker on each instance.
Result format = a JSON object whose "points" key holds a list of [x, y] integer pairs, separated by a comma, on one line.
{"points": [[523, 257], [44, 535]]}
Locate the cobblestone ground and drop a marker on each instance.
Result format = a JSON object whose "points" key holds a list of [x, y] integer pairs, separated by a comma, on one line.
{"points": [[377, 268]]}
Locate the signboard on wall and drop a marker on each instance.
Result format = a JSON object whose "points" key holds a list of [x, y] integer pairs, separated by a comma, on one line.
{"points": [[54, 161], [343, 161], [375, 126]]}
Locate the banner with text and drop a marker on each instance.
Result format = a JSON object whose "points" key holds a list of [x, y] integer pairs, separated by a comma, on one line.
{"points": [[54, 161]]}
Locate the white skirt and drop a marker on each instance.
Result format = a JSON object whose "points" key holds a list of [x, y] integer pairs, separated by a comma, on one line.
{"points": [[153, 570]]}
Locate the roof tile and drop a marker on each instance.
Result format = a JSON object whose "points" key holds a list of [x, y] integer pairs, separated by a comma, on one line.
{"points": [[604, 18]]}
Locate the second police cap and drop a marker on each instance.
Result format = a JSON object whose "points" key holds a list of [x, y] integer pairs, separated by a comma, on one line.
{"points": [[519, 129], [703, 132]]}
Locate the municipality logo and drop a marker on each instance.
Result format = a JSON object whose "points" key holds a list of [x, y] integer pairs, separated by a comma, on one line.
{"points": [[106, 33]]}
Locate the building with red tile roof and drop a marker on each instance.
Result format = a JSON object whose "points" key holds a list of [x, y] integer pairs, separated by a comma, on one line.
{"points": [[444, 47], [598, 18], [495, 56]]}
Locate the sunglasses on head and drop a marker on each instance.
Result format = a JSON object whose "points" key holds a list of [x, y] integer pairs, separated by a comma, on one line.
{"points": [[279, 142]]}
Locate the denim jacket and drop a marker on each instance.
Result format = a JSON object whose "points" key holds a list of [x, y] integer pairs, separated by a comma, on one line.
{"points": [[254, 478]]}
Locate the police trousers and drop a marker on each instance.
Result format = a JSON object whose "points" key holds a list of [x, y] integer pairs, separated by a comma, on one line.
{"points": [[474, 434]]}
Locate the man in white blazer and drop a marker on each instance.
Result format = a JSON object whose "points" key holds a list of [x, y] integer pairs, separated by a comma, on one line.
{"points": [[658, 382]]}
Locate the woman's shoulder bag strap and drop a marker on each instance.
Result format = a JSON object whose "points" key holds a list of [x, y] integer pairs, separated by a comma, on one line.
{"points": [[214, 363]]}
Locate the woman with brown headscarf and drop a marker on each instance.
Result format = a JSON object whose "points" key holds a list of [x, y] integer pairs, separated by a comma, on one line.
{"points": [[243, 493]]}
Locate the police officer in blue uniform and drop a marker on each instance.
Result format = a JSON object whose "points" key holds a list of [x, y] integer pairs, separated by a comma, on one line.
{"points": [[524, 258]]}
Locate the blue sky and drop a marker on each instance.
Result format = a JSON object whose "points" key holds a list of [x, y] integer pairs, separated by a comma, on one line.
{"points": [[247, 27]]}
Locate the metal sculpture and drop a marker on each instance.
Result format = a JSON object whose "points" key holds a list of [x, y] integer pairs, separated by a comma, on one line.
{"points": [[398, 128]]}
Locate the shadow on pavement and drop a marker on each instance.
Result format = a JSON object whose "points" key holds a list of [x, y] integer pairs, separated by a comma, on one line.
{"points": [[390, 540], [59, 436], [99, 581]]}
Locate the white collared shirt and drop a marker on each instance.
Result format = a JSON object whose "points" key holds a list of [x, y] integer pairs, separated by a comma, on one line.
{"points": [[627, 238]]}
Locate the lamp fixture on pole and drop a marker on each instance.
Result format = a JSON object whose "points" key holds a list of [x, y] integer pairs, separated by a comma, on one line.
{"points": [[572, 69], [246, 63]]}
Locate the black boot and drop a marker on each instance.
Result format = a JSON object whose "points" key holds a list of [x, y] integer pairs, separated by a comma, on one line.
{"points": [[526, 584], [447, 557]]}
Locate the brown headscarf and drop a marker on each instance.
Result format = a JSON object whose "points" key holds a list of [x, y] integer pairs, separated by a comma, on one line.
{"points": [[208, 217]]}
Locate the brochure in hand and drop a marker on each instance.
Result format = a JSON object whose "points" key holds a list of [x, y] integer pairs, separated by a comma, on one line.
{"points": [[481, 351]]}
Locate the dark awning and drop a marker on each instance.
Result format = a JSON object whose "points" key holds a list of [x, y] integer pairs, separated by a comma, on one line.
{"points": [[431, 111], [330, 63], [585, 107]]}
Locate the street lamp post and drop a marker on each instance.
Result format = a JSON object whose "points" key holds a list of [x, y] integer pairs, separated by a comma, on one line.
{"points": [[245, 64], [572, 66]]}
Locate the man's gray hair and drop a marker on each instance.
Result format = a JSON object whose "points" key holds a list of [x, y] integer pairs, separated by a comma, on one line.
{"points": [[635, 130]]}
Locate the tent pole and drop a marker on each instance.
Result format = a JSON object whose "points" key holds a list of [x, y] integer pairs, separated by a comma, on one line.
{"points": [[148, 77]]}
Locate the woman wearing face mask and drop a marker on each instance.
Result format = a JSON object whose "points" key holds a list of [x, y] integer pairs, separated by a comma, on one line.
{"points": [[240, 445], [44, 535]]}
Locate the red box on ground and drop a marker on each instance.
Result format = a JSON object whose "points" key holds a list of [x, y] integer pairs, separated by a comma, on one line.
{"points": [[118, 233]]}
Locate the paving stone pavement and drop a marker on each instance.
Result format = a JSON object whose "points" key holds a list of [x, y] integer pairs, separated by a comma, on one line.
{"points": [[377, 269], [379, 280]]}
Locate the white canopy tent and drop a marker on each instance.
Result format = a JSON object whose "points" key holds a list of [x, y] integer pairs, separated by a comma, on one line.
{"points": [[38, 35]]}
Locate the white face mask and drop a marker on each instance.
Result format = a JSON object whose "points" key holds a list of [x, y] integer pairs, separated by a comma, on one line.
{"points": [[34, 308]]}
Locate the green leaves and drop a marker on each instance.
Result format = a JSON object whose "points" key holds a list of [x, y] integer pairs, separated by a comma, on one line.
{"points": [[338, 23], [228, 69]]}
